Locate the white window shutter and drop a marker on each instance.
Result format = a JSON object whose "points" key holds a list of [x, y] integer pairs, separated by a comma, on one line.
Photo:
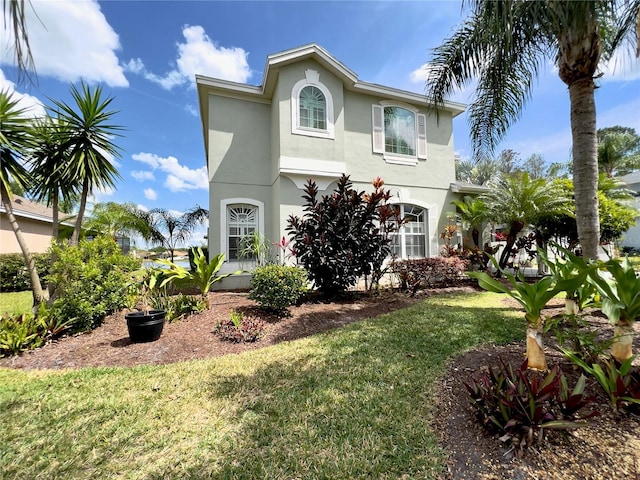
{"points": [[422, 136], [378, 128], [434, 246]]}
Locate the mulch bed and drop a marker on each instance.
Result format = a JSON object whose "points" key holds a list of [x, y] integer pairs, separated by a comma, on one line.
{"points": [[609, 448]]}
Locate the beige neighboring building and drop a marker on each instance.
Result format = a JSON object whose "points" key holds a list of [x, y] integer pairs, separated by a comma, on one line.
{"points": [[36, 223], [313, 118]]}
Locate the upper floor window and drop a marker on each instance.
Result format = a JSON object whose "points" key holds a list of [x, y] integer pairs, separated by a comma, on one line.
{"points": [[312, 107], [399, 133]]}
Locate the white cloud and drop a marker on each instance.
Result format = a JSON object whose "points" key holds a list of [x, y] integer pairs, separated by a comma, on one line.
{"points": [[419, 77], [70, 41], [142, 175], [623, 67], [198, 55], [150, 194], [179, 177], [32, 105], [101, 195], [191, 109]]}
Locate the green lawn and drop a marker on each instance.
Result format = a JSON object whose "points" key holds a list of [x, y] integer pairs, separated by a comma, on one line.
{"points": [[351, 403], [16, 303]]}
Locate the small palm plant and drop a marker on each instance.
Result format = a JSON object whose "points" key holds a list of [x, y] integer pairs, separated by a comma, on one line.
{"points": [[619, 286], [533, 297], [204, 275]]}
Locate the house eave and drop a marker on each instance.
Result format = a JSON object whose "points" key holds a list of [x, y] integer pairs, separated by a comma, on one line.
{"points": [[454, 108], [468, 188]]}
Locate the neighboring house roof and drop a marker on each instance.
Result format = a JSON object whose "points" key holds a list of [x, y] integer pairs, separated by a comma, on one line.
{"points": [[26, 208], [313, 51]]}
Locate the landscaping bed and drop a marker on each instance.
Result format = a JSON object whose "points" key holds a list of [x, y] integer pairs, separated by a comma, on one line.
{"points": [[606, 449]]}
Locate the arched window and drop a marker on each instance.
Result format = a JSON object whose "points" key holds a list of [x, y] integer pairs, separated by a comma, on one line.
{"points": [[242, 220], [313, 108]]}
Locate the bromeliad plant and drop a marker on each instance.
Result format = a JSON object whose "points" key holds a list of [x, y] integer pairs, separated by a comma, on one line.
{"points": [[521, 404], [619, 286], [621, 382], [533, 297], [571, 274]]}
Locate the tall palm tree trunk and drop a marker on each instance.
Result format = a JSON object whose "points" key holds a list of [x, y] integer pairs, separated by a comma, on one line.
{"points": [[55, 232], [585, 164], [83, 204], [36, 286]]}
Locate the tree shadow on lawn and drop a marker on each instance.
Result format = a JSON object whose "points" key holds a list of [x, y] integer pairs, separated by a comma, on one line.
{"points": [[354, 403]]}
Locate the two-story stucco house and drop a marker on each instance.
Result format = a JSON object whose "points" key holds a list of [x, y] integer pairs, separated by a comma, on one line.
{"points": [[313, 118]]}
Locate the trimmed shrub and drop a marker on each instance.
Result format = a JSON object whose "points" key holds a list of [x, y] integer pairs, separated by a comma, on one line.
{"points": [[91, 281], [429, 272], [14, 276], [277, 287]]}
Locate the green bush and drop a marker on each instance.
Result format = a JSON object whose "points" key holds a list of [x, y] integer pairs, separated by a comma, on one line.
{"points": [[277, 287], [91, 281], [14, 276], [344, 236]]}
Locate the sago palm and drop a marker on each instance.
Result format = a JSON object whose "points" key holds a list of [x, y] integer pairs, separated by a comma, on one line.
{"points": [[472, 212], [88, 145], [15, 140], [519, 201], [503, 44]]}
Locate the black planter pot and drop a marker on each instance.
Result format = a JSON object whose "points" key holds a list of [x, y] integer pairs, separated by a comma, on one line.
{"points": [[145, 327]]}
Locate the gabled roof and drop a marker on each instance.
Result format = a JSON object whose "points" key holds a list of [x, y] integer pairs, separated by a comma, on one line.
{"points": [[23, 207], [264, 92]]}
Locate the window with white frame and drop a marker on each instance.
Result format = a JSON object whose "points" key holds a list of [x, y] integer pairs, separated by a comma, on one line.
{"points": [[312, 107], [410, 241], [242, 220], [399, 133]]}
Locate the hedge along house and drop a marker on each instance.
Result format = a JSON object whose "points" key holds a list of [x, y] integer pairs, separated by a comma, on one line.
{"points": [[311, 118]]}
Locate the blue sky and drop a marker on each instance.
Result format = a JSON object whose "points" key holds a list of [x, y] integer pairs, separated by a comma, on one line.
{"points": [[146, 53]]}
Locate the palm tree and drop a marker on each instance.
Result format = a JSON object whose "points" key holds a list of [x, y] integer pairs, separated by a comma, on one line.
{"points": [[49, 166], [504, 43], [618, 151], [176, 228], [472, 212], [121, 219], [87, 145], [15, 140], [519, 202], [14, 13]]}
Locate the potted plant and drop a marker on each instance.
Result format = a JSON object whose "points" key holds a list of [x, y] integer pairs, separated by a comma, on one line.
{"points": [[146, 325]]}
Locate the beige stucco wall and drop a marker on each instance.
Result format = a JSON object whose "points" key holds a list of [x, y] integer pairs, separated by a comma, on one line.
{"points": [[37, 235]]}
